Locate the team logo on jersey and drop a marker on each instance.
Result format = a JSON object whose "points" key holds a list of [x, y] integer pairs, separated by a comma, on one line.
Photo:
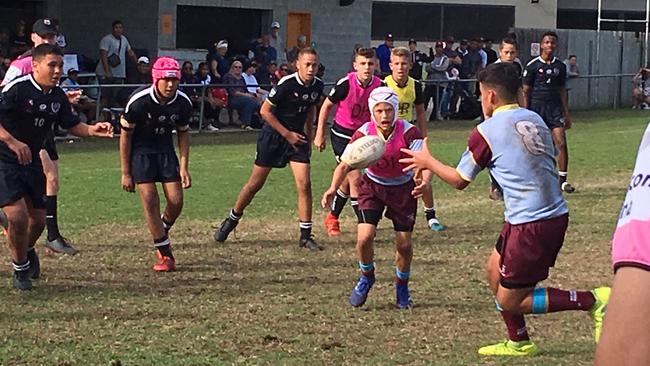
{"points": [[549, 71], [541, 71], [149, 116], [30, 102], [162, 118], [42, 107], [56, 106], [556, 71], [314, 95], [305, 96], [174, 117]]}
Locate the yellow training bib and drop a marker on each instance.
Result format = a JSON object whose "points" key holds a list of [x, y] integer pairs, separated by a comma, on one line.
{"points": [[406, 97]]}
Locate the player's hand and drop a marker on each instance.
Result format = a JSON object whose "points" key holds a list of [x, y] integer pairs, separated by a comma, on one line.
{"points": [[22, 151], [418, 159], [295, 139], [73, 96], [328, 196], [567, 123], [422, 186], [319, 142], [127, 183], [101, 129], [186, 179]]}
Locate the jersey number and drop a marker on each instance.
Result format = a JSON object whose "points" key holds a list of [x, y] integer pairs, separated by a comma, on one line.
{"points": [[303, 108], [404, 108], [530, 136], [159, 130], [39, 122]]}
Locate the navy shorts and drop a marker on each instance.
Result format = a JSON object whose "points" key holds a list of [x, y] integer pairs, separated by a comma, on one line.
{"points": [[160, 167], [274, 151], [20, 181], [550, 111], [50, 147], [529, 250], [340, 137]]}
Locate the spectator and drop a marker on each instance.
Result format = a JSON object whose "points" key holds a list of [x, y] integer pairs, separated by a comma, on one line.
{"points": [[60, 37], [238, 96], [418, 59], [187, 77], [86, 107], [383, 54], [462, 48], [641, 91], [218, 63], [19, 41], [142, 77], [111, 69], [264, 53], [212, 106], [492, 55], [292, 55], [4, 43], [470, 66], [282, 72], [481, 51], [449, 51], [572, 67], [266, 75], [252, 84], [277, 42], [436, 71]]}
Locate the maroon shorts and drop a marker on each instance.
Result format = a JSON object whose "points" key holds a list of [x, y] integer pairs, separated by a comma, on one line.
{"points": [[529, 250], [400, 205]]}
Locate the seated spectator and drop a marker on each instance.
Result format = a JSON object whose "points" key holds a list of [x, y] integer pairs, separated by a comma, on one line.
{"points": [[266, 76], [238, 96], [86, 107], [142, 77], [572, 67], [212, 106], [641, 91], [187, 77], [252, 84], [281, 72]]}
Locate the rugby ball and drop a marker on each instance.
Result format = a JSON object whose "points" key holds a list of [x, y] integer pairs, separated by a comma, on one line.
{"points": [[364, 151]]}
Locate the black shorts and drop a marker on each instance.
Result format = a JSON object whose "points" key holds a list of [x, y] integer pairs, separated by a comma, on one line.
{"points": [[340, 137], [50, 147], [20, 181], [160, 167], [273, 150], [550, 111]]}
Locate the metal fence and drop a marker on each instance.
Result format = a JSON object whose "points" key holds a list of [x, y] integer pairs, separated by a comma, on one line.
{"points": [[585, 92]]}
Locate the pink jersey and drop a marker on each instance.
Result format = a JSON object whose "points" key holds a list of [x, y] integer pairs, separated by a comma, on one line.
{"points": [[353, 111], [388, 170], [19, 67], [631, 242]]}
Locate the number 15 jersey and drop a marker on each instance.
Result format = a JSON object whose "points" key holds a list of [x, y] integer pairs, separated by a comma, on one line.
{"points": [[517, 148]]}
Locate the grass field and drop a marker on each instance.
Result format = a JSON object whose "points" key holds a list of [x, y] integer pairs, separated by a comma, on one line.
{"points": [[259, 299]]}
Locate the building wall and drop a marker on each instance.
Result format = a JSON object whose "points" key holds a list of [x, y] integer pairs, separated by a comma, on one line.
{"points": [[527, 15], [626, 5]]}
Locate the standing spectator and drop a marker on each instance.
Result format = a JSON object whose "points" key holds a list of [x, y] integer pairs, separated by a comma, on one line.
{"points": [[60, 37], [111, 69], [238, 96], [383, 54], [264, 52], [572, 67], [19, 41], [462, 48], [292, 55], [4, 43], [217, 61], [449, 45], [480, 45], [278, 43], [471, 64], [436, 71], [641, 91], [418, 59], [491, 53]]}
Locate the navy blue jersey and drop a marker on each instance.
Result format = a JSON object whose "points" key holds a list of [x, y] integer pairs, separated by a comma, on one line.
{"points": [[292, 99], [28, 114], [545, 79], [153, 123]]}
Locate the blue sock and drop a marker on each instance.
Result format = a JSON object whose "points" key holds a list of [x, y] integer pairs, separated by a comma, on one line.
{"points": [[402, 277], [367, 268]]}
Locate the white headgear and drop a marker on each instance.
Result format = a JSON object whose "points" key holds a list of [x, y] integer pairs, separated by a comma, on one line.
{"points": [[383, 94]]}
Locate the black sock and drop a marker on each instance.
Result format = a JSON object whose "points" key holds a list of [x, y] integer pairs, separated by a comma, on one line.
{"points": [[430, 213], [234, 216], [355, 205], [305, 230], [163, 246], [50, 218], [562, 176], [338, 203]]}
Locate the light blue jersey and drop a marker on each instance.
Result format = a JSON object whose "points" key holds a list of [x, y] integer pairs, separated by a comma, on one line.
{"points": [[517, 147]]}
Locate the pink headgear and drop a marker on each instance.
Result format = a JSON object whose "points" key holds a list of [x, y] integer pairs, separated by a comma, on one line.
{"points": [[165, 67]]}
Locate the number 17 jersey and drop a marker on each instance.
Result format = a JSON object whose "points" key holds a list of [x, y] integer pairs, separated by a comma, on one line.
{"points": [[517, 147]]}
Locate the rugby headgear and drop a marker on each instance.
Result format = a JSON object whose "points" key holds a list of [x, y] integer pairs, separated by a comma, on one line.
{"points": [[165, 67], [383, 94]]}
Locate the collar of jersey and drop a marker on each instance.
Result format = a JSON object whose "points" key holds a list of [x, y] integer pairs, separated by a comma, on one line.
{"points": [[31, 78], [361, 84], [301, 82], [507, 107]]}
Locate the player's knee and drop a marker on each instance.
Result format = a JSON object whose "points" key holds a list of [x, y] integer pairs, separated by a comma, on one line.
{"points": [[175, 203], [510, 303], [404, 247]]}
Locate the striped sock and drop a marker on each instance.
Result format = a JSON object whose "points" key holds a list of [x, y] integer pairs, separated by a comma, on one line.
{"points": [[367, 269], [305, 230], [338, 203], [401, 277], [234, 216], [19, 267], [163, 245], [166, 224], [430, 213]]}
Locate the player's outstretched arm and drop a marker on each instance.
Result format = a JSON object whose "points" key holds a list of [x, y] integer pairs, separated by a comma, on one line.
{"points": [[424, 160], [126, 138], [337, 179], [184, 149], [319, 138], [99, 129]]}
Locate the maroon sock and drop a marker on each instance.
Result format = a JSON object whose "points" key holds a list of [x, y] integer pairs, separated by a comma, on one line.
{"points": [[560, 300], [516, 325]]}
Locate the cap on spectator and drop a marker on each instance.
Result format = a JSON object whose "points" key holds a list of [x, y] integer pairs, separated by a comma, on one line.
{"points": [[72, 70], [143, 60], [389, 37], [439, 45], [44, 26], [412, 41], [275, 25], [222, 44], [463, 42]]}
